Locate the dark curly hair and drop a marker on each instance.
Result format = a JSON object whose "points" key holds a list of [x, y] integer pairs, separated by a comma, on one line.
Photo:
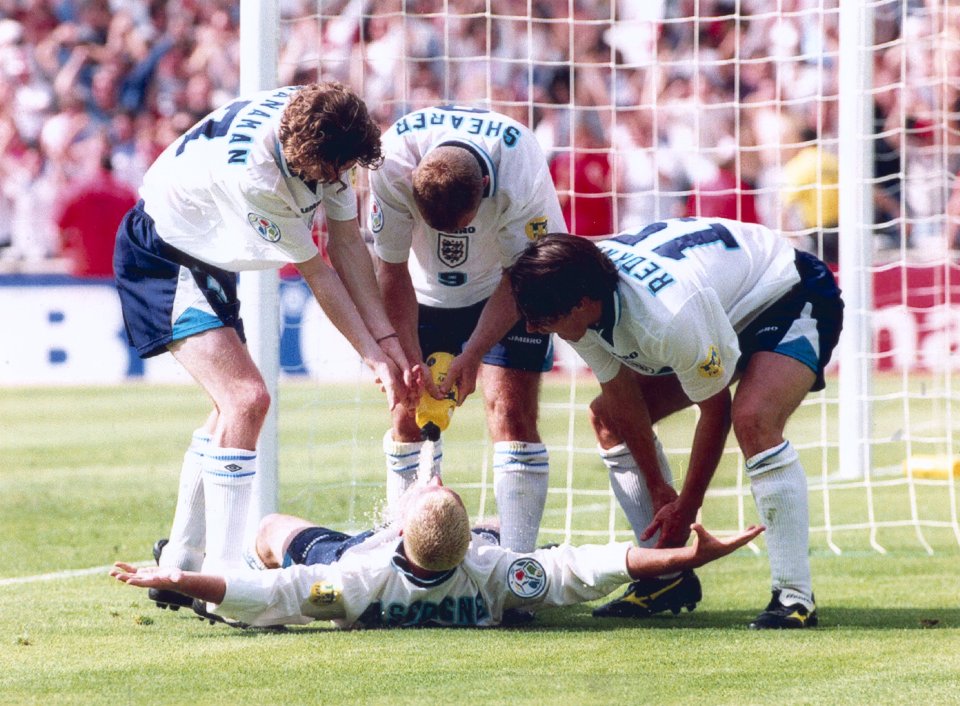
{"points": [[553, 275], [325, 127]]}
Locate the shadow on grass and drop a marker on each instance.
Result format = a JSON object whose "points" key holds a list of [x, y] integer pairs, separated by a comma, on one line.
{"points": [[556, 620]]}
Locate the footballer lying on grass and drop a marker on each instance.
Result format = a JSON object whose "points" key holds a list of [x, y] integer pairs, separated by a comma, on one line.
{"points": [[426, 568]]}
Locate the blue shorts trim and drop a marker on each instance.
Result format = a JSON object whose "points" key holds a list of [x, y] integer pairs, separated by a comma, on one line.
{"points": [[150, 273], [319, 545], [448, 330], [804, 324]]}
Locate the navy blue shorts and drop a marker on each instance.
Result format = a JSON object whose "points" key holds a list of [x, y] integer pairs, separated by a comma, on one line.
{"points": [[448, 329], [319, 545], [804, 324], [165, 294]]}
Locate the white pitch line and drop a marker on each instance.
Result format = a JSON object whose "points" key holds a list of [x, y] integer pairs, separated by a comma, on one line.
{"points": [[58, 575]]}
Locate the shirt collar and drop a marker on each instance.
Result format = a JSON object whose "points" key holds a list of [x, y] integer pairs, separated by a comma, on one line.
{"points": [[402, 564], [285, 168], [483, 159], [609, 316]]}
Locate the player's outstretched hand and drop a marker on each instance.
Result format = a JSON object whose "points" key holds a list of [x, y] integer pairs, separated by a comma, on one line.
{"points": [[706, 547], [146, 576]]}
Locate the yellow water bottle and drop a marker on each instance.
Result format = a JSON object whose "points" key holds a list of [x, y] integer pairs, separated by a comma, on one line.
{"points": [[433, 415]]}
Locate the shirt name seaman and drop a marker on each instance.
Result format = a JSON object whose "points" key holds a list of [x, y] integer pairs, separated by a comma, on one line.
{"points": [[640, 268], [471, 123]]}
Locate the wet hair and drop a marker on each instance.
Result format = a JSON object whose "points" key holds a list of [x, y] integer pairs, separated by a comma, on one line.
{"points": [[555, 273], [436, 531], [327, 123], [447, 185]]}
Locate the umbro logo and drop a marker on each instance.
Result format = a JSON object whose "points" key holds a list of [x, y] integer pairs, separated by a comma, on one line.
{"points": [[232, 467], [768, 329]]}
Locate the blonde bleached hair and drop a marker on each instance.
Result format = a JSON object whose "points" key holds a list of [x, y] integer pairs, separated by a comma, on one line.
{"points": [[436, 531]]}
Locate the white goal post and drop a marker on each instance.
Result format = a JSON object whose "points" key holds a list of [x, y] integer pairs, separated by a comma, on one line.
{"points": [[671, 108]]}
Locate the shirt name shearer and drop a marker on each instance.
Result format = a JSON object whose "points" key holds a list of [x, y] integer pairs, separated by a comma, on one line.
{"points": [[471, 124], [641, 268]]}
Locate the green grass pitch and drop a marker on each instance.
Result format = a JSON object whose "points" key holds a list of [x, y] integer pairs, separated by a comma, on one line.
{"points": [[88, 476]]}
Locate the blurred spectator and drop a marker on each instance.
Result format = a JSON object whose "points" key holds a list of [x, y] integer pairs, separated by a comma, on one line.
{"points": [[582, 177], [670, 80], [88, 221], [724, 195], [810, 197]]}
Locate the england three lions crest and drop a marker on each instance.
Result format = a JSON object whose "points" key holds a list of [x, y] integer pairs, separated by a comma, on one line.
{"points": [[452, 249]]}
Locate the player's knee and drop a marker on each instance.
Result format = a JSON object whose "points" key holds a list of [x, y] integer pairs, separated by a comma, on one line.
{"points": [[512, 421], [755, 428], [250, 400], [602, 425]]}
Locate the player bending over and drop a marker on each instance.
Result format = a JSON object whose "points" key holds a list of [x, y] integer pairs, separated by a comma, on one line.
{"points": [[669, 317], [239, 192], [427, 568], [461, 192]]}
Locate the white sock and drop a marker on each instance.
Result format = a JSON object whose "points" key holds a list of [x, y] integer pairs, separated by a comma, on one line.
{"points": [[520, 480], [227, 483], [630, 489], [403, 463], [187, 539], [779, 487]]}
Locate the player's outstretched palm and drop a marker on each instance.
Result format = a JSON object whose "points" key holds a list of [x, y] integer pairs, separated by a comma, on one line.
{"points": [[706, 547]]}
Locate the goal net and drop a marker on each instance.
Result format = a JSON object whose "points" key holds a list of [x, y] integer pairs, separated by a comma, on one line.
{"points": [[839, 127]]}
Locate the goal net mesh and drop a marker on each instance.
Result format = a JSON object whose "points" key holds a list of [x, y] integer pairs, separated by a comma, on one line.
{"points": [[649, 110]]}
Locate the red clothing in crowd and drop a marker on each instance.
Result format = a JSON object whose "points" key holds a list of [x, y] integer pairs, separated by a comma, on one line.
{"points": [[723, 197], [586, 199], [88, 223]]}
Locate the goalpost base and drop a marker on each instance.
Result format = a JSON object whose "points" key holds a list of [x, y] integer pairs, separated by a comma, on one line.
{"points": [[938, 467]]}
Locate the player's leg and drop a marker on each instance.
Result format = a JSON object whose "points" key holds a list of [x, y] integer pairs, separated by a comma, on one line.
{"points": [[783, 355], [521, 464], [664, 396], [402, 448], [274, 536], [769, 391], [219, 361], [438, 330], [186, 542], [672, 592]]}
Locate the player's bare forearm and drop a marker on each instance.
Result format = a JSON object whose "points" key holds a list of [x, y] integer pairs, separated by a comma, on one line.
{"points": [[206, 587], [332, 296], [400, 302], [644, 563], [498, 316], [709, 439], [352, 261]]}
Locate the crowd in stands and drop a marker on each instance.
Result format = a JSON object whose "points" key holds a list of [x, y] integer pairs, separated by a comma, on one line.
{"points": [[654, 115]]}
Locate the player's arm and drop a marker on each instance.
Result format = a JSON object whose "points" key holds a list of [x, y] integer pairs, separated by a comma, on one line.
{"points": [[335, 301], [498, 316], [645, 563], [400, 302], [590, 571], [352, 261], [674, 519], [701, 347], [206, 587], [623, 398]]}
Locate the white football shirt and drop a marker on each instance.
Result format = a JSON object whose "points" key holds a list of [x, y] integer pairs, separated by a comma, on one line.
{"points": [[223, 192], [451, 270], [687, 286], [371, 580]]}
